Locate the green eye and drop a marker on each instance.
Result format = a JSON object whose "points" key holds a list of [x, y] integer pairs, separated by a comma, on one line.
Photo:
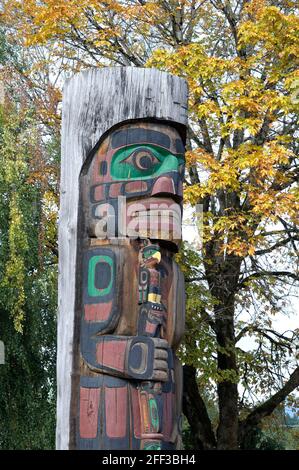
{"points": [[141, 162], [142, 159]]}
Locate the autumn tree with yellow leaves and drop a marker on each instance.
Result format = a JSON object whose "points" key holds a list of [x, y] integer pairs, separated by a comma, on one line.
{"points": [[240, 59]]}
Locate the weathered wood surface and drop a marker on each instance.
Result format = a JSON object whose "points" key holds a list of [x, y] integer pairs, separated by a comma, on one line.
{"points": [[94, 101]]}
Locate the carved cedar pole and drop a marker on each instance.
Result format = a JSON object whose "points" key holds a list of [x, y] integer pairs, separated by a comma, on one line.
{"points": [[121, 294]]}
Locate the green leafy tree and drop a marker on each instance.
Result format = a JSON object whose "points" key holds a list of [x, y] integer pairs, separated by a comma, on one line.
{"points": [[28, 277]]}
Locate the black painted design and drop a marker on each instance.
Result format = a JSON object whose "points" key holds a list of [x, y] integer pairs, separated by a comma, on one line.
{"points": [[176, 178], [180, 147], [138, 135], [153, 314], [103, 275], [103, 168]]}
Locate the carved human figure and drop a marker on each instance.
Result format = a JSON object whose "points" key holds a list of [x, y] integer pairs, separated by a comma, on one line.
{"points": [[131, 295]]}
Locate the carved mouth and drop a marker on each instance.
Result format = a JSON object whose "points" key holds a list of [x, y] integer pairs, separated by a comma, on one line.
{"points": [[155, 218]]}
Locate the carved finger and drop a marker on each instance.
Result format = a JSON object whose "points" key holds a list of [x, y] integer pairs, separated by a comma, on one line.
{"points": [[160, 343], [160, 375], [161, 354], [162, 365]]}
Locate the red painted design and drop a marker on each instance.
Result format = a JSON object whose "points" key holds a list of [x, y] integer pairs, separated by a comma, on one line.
{"points": [[154, 277], [136, 187], [99, 193], [116, 400], [89, 408], [94, 169], [164, 184], [97, 312], [152, 435], [102, 156], [136, 412], [112, 354], [168, 407], [150, 327], [114, 190]]}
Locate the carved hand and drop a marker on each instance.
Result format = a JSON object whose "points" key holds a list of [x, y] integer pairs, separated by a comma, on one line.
{"points": [[148, 359], [133, 357]]}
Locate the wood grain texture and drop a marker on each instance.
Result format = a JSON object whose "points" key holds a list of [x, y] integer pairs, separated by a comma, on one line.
{"points": [[93, 102]]}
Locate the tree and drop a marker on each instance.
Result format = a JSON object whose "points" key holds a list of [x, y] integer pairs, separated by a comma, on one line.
{"points": [[240, 60], [28, 273]]}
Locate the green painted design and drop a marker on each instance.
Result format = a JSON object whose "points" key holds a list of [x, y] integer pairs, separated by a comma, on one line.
{"points": [[150, 253], [154, 414], [152, 446], [141, 162], [92, 290]]}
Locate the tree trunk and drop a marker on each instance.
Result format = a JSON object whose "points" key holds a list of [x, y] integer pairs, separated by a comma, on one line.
{"points": [[196, 413], [227, 432], [223, 276]]}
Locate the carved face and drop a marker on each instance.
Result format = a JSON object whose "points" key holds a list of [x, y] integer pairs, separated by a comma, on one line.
{"points": [[144, 163]]}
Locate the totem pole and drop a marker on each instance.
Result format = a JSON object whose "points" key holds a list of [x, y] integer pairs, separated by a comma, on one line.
{"points": [[121, 294]]}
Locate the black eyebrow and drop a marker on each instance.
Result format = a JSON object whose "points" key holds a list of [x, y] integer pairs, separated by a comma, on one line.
{"points": [[138, 136]]}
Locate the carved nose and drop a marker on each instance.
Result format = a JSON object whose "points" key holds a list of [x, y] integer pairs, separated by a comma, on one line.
{"points": [[164, 184]]}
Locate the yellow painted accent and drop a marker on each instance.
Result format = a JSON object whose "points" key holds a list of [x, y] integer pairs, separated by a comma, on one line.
{"points": [[157, 256], [152, 298]]}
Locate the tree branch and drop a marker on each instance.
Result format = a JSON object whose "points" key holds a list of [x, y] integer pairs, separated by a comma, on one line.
{"points": [[281, 342], [266, 408], [284, 242], [262, 274]]}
